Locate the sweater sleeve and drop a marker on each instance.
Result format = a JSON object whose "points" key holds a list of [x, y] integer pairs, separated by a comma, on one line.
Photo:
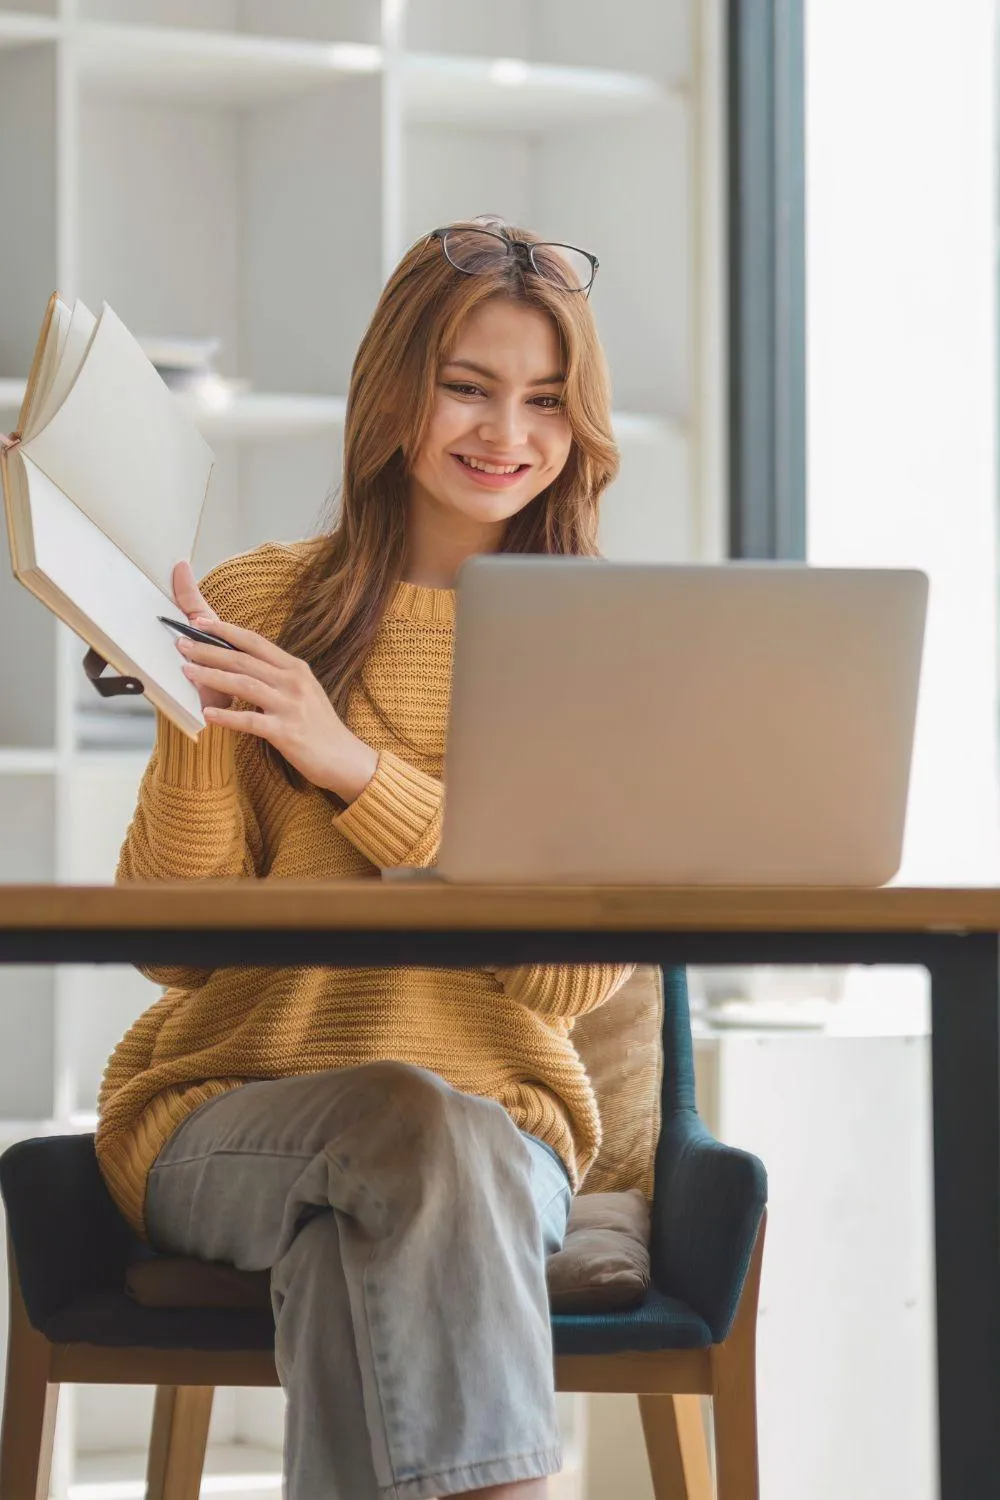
{"points": [[193, 821], [190, 823], [396, 819], [563, 990]]}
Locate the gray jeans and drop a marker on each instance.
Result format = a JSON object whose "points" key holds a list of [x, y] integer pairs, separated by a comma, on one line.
{"points": [[406, 1227]]}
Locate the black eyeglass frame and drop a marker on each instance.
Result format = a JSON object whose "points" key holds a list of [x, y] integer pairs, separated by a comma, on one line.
{"points": [[526, 248]]}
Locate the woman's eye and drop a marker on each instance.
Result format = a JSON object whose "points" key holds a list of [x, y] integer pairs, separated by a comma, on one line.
{"points": [[461, 388]]}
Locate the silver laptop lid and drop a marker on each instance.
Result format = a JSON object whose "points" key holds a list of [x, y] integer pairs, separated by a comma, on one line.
{"points": [[750, 723]]}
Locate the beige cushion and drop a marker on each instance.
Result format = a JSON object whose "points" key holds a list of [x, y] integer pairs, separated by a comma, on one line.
{"points": [[604, 1263], [621, 1045]]}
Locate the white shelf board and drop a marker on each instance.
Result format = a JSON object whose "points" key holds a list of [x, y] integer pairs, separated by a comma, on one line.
{"points": [[249, 414], [18, 28], [509, 93], [15, 762], [218, 67], [639, 427], [256, 414]]}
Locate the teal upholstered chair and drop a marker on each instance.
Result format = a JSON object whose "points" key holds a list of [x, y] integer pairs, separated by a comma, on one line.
{"points": [[693, 1335]]}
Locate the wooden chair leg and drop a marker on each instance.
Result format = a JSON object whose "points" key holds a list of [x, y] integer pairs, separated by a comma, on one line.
{"points": [[177, 1445], [676, 1448], [29, 1407], [734, 1393]]}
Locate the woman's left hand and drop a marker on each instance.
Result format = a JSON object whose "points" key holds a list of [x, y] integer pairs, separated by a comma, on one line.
{"points": [[292, 711]]}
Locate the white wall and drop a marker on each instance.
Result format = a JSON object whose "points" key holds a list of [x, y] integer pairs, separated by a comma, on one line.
{"points": [[845, 1350], [900, 174]]}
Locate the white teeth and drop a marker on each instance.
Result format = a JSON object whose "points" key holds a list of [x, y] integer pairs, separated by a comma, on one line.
{"points": [[477, 463]]}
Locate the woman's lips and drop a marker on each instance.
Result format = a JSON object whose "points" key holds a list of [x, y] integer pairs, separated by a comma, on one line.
{"points": [[491, 481]]}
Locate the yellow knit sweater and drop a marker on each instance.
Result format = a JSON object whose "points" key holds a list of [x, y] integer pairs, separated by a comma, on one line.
{"points": [[213, 808]]}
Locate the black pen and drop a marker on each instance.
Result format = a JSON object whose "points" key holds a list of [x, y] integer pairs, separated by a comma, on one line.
{"points": [[183, 628]]}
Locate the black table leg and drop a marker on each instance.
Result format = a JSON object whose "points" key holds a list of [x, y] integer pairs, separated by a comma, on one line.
{"points": [[965, 1051]]}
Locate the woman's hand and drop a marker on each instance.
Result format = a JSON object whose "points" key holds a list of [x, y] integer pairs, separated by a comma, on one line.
{"points": [[200, 614], [291, 709]]}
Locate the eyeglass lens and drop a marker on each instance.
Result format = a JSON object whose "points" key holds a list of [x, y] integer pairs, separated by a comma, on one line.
{"points": [[475, 250]]}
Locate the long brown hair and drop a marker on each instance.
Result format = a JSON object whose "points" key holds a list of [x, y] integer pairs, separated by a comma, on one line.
{"points": [[351, 573]]}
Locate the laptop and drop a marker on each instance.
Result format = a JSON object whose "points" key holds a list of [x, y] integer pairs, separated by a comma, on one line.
{"points": [[653, 724]]}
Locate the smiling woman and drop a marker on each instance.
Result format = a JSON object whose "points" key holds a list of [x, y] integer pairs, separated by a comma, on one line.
{"points": [[403, 513], [397, 1146], [492, 444]]}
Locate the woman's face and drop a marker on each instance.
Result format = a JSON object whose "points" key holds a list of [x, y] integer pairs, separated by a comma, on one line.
{"points": [[498, 433]]}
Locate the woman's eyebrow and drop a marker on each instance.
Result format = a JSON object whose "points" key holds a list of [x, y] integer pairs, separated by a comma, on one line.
{"points": [[470, 364]]}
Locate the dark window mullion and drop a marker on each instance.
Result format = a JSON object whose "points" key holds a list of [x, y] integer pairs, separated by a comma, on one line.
{"points": [[766, 192]]}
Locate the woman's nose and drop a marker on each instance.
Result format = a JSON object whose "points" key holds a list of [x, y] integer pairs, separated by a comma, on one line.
{"points": [[503, 424]]}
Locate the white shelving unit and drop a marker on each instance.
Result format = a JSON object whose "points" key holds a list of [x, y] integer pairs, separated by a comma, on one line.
{"points": [[253, 169]]}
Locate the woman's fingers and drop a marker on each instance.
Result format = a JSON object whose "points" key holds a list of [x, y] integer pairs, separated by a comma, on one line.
{"points": [[227, 661], [257, 646], [262, 725], [188, 595], [235, 684]]}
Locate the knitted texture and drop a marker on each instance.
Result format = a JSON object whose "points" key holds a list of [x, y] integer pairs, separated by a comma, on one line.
{"points": [[212, 808]]}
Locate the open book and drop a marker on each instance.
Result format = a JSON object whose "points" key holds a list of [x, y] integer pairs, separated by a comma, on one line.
{"points": [[104, 483]]}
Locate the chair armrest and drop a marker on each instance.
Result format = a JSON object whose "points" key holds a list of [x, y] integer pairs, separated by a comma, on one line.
{"points": [[67, 1236], [708, 1203]]}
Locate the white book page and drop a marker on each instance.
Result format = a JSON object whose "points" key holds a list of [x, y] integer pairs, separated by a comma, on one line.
{"points": [[75, 333], [89, 569], [123, 450]]}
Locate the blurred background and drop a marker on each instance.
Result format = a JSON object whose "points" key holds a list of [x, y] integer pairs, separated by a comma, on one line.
{"points": [[794, 205]]}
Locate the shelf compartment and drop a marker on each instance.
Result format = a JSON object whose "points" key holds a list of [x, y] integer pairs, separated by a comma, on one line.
{"points": [[220, 67], [301, 20], [640, 36], [27, 674], [512, 93], [27, 993], [28, 177]]}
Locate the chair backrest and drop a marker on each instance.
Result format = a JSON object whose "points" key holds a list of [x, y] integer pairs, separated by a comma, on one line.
{"points": [[710, 1198], [678, 1090], [64, 1228]]}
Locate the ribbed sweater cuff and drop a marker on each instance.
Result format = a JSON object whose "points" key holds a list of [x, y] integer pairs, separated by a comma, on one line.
{"points": [[393, 811], [206, 762]]}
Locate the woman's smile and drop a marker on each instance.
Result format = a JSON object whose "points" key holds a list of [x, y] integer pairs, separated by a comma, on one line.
{"points": [[490, 472]]}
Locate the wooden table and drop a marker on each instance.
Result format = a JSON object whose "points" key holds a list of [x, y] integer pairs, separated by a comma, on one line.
{"points": [[951, 932]]}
